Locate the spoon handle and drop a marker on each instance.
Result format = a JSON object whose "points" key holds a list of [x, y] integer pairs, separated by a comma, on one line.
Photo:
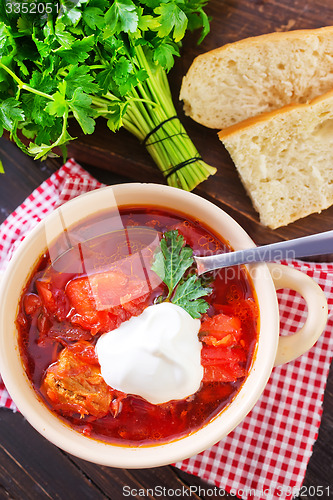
{"points": [[315, 244]]}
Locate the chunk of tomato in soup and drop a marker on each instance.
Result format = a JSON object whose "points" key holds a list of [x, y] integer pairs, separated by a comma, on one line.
{"points": [[223, 364], [53, 299], [220, 330], [222, 356], [103, 301], [84, 312]]}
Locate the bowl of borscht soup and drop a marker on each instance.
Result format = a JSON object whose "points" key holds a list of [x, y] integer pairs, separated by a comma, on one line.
{"points": [[117, 351]]}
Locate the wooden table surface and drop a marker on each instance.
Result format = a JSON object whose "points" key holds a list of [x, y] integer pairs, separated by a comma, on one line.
{"points": [[32, 468]]}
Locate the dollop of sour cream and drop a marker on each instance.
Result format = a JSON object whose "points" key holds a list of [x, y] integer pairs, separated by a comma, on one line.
{"points": [[156, 355]]}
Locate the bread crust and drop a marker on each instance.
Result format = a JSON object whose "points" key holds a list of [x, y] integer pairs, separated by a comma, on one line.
{"points": [[267, 37], [270, 115]]}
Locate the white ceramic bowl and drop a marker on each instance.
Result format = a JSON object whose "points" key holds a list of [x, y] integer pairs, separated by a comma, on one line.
{"points": [[270, 350]]}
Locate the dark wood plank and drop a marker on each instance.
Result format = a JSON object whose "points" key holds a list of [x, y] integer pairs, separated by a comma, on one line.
{"points": [[320, 467], [31, 467], [135, 483], [20, 174]]}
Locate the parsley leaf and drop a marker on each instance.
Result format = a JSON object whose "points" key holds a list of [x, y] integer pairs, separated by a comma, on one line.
{"points": [[9, 113], [117, 110], [62, 36], [164, 52], [79, 50], [188, 296], [34, 104], [173, 260], [43, 150], [171, 17], [58, 106], [93, 17], [105, 79], [171, 263], [69, 14], [122, 16], [79, 76], [80, 104], [147, 22]]}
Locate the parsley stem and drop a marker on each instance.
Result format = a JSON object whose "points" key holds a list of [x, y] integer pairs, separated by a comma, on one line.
{"points": [[22, 85], [12, 74], [97, 66], [170, 146], [37, 92]]}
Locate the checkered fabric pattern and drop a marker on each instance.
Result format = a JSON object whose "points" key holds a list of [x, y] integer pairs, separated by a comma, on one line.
{"points": [[266, 456]]}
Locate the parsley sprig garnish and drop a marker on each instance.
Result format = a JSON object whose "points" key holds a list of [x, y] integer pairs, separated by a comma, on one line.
{"points": [[95, 58], [171, 263]]}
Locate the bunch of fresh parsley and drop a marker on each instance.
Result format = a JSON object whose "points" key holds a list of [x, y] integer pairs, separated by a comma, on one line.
{"points": [[172, 263], [91, 58]]}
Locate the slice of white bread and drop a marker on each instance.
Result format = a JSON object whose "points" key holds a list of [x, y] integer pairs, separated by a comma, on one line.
{"points": [[257, 75], [285, 160]]}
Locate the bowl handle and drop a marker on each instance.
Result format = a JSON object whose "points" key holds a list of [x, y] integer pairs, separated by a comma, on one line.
{"points": [[292, 346]]}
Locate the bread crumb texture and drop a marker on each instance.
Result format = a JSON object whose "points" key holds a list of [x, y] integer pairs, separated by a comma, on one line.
{"points": [[257, 75], [285, 160]]}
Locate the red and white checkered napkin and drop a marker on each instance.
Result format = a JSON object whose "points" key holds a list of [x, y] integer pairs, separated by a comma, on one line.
{"points": [[266, 456]]}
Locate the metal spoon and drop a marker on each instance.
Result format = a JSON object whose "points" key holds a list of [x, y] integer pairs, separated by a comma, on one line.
{"points": [[316, 244]]}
